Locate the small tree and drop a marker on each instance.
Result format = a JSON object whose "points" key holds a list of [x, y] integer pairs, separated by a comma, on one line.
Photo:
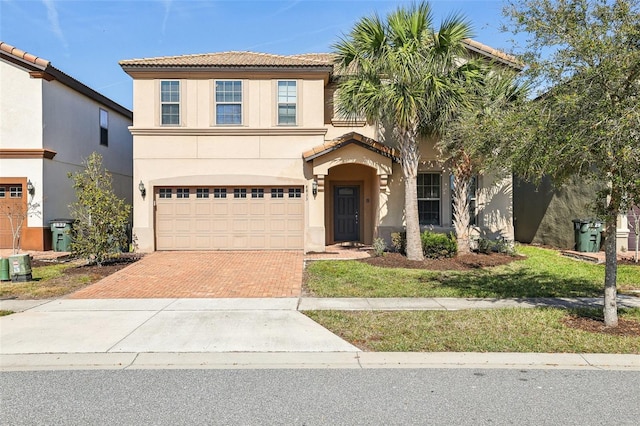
{"points": [[635, 214], [470, 144], [17, 214], [101, 217], [587, 53]]}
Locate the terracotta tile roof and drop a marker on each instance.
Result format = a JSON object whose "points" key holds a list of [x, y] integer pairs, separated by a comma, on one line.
{"points": [[347, 139], [21, 54], [42, 68], [231, 59], [491, 52]]}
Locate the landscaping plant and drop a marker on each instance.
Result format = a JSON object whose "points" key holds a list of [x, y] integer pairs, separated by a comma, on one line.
{"points": [[101, 218]]}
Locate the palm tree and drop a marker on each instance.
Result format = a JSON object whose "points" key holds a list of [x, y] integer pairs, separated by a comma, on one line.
{"points": [[403, 72]]}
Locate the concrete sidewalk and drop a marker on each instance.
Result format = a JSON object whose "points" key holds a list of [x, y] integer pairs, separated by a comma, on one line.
{"points": [[240, 333]]}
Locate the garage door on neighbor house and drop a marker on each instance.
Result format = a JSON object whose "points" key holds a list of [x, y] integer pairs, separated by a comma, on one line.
{"points": [[12, 207], [229, 218]]}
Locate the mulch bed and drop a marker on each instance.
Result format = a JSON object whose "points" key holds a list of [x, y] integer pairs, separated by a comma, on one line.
{"points": [[625, 327], [458, 263], [96, 272]]}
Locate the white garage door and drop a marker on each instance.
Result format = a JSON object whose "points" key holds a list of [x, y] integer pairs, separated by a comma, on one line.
{"points": [[229, 218]]}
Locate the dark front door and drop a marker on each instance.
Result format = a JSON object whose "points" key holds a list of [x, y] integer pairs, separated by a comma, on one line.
{"points": [[346, 211]]}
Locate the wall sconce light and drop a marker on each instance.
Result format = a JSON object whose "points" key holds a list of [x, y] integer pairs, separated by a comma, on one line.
{"points": [[30, 188], [143, 190], [314, 188]]}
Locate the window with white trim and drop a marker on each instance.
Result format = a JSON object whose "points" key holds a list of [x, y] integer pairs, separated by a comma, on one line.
{"points": [[429, 198], [2, 191], [104, 127], [220, 193], [182, 193], [277, 193], [15, 191], [202, 192], [164, 193], [170, 102], [287, 102], [228, 102], [240, 193], [257, 193]]}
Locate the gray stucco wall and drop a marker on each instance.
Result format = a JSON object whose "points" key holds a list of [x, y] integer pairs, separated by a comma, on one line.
{"points": [[544, 214]]}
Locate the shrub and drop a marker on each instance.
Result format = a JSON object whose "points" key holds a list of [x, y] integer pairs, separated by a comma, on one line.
{"points": [[399, 242], [379, 247], [437, 246], [500, 245]]}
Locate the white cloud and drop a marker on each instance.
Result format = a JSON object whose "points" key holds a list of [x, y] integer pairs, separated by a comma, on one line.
{"points": [[54, 21], [167, 10]]}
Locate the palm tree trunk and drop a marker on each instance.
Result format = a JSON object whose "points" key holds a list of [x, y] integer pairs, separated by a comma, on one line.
{"points": [[610, 273], [410, 157], [461, 215]]}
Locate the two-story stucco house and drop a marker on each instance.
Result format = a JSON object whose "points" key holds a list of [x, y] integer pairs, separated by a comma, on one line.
{"points": [[241, 150], [50, 123]]}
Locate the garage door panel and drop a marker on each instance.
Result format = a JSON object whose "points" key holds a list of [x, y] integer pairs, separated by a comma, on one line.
{"points": [[240, 225], [203, 209], [293, 225], [231, 223], [220, 208]]}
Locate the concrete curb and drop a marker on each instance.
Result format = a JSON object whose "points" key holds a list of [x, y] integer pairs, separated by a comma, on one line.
{"points": [[323, 360]]}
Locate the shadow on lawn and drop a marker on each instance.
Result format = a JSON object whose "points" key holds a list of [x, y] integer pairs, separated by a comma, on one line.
{"points": [[520, 283]]}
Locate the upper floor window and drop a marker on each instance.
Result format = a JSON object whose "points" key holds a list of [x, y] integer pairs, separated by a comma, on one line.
{"points": [[170, 102], [429, 198], [287, 102], [228, 98], [104, 127]]}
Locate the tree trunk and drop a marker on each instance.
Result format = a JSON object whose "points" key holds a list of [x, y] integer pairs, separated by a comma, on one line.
{"points": [[461, 215], [409, 158], [611, 269]]}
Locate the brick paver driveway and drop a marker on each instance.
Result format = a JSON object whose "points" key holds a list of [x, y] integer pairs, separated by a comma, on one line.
{"points": [[204, 274]]}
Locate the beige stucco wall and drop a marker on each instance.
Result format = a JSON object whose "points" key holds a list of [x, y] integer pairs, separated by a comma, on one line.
{"points": [[37, 114], [261, 153], [20, 118]]}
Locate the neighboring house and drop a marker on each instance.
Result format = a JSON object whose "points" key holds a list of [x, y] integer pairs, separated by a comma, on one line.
{"points": [[543, 214], [50, 123], [242, 150], [631, 220]]}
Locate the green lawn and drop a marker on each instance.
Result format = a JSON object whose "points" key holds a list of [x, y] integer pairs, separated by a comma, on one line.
{"points": [[48, 281], [544, 273], [494, 330]]}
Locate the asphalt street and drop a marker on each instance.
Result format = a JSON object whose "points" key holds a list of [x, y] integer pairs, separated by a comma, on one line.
{"points": [[320, 397]]}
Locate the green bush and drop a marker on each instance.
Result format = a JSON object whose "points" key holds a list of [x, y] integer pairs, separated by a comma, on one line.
{"points": [[437, 246], [487, 246], [379, 247], [399, 242]]}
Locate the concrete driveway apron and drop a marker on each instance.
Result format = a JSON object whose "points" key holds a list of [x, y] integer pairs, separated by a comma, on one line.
{"points": [[207, 274]]}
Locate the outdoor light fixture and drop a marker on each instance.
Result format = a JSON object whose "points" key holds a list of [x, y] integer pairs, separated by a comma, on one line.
{"points": [[30, 188], [143, 190], [314, 188]]}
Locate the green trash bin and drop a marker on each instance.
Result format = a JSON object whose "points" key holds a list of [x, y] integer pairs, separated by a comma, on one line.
{"points": [[587, 235], [4, 269], [20, 268], [61, 234]]}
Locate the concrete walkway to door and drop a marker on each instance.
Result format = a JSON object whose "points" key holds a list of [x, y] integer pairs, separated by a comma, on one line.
{"points": [[203, 274]]}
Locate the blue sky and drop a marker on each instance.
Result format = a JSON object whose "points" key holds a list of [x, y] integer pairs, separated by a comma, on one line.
{"points": [[87, 38]]}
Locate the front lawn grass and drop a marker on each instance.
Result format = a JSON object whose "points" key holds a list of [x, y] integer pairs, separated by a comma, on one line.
{"points": [[544, 273], [494, 330], [49, 281]]}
